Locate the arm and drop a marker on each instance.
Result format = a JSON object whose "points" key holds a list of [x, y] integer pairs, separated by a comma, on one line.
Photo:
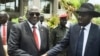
{"points": [[59, 47], [14, 42]]}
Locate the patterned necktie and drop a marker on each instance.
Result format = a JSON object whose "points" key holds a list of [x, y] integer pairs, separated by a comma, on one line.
{"points": [[80, 43], [36, 37]]}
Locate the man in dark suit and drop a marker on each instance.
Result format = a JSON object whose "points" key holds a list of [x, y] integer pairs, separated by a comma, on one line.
{"points": [[81, 42], [24, 41], [5, 26], [20, 19]]}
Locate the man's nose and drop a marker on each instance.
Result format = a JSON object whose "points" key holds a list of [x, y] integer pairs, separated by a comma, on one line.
{"points": [[34, 15]]}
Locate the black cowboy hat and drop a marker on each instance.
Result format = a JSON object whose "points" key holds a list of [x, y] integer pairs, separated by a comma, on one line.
{"points": [[89, 8]]}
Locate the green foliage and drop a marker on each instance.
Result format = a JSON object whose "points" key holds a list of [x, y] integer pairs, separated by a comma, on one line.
{"points": [[83, 1], [97, 7], [96, 20], [53, 21], [15, 20], [73, 19], [75, 3]]}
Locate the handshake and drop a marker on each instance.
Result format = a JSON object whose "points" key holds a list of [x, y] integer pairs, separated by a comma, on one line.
{"points": [[45, 54]]}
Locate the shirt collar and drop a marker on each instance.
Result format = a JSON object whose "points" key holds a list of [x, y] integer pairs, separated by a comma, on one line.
{"points": [[36, 25], [87, 26], [5, 23]]}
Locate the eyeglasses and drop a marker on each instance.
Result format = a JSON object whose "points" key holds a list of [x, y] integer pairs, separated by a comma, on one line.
{"points": [[34, 13]]}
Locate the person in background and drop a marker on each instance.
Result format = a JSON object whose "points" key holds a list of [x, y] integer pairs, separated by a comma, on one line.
{"points": [[83, 38], [28, 38], [5, 26], [58, 33], [42, 21], [41, 18], [20, 19]]}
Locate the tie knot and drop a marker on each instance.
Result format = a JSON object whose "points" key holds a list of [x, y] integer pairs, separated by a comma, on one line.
{"points": [[34, 26], [83, 28]]}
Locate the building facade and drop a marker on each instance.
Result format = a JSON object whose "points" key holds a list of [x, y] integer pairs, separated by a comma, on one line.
{"points": [[17, 8]]}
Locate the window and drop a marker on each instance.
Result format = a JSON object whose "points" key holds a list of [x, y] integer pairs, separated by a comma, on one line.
{"points": [[45, 6], [30, 2], [9, 5]]}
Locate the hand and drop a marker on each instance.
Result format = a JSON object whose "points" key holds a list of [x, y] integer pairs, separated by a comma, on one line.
{"points": [[5, 49], [44, 54]]}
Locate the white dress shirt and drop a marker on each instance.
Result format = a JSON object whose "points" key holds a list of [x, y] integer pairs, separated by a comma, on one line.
{"points": [[1, 31], [37, 31], [86, 33]]}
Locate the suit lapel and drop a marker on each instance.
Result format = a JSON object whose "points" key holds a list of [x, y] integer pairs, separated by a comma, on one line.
{"points": [[9, 25], [90, 37], [76, 32], [41, 34], [29, 33]]}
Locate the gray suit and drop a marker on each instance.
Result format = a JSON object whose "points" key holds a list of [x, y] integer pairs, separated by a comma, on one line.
{"points": [[92, 47], [21, 41]]}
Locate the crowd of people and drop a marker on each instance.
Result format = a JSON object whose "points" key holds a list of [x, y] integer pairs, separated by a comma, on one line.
{"points": [[31, 37]]}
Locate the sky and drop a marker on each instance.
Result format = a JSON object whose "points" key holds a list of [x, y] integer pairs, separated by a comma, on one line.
{"points": [[94, 1]]}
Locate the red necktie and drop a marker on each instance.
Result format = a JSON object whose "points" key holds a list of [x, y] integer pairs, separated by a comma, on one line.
{"points": [[36, 37], [4, 35]]}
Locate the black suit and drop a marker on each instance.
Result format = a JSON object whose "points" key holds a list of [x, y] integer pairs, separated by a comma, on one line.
{"points": [[2, 53], [21, 41], [9, 25], [92, 47]]}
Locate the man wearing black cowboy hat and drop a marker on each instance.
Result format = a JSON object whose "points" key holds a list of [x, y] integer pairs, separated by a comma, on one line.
{"points": [[83, 38]]}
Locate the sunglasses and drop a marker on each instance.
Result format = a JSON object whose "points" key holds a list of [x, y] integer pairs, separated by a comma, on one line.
{"points": [[34, 13]]}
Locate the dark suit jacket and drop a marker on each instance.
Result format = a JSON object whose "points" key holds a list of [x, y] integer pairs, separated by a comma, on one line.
{"points": [[9, 25], [2, 53], [92, 46], [21, 41]]}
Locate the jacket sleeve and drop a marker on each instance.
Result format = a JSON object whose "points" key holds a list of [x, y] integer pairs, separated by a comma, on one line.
{"points": [[14, 42], [59, 46]]}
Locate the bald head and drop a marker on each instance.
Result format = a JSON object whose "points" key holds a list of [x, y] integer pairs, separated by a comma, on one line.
{"points": [[20, 19], [33, 9], [33, 14]]}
